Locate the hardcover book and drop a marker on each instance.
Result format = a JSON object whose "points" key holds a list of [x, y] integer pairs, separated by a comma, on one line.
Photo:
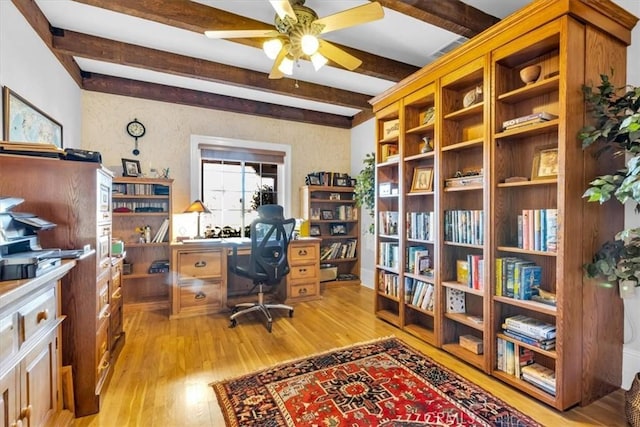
{"points": [[528, 119]]}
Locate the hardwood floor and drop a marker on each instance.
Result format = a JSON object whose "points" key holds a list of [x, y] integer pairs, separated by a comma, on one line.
{"points": [[163, 374]]}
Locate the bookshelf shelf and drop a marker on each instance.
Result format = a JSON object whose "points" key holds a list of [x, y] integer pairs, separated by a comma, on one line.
{"points": [[489, 214]]}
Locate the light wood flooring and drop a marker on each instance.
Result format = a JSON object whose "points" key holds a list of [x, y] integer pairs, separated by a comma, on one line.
{"points": [[163, 374]]}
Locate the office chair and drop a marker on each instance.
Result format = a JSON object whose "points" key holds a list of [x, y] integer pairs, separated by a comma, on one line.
{"points": [[270, 236]]}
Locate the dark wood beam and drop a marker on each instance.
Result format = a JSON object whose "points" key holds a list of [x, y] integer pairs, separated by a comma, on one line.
{"points": [[452, 15], [85, 46], [175, 95], [197, 17], [34, 16]]}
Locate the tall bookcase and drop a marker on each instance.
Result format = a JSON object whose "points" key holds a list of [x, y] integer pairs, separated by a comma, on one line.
{"points": [[141, 202], [490, 181], [334, 218]]}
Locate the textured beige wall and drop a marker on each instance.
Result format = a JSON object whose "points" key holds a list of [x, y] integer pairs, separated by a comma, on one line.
{"points": [[169, 129]]}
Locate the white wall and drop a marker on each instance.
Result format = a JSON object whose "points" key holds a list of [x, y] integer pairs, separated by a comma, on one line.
{"points": [[29, 69]]}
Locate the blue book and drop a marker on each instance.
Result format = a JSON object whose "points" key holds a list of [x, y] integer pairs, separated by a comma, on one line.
{"points": [[530, 279]]}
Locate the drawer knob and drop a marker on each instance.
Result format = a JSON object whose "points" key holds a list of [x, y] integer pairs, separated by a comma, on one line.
{"points": [[302, 270], [26, 412], [200, 295], [104, 365], [200, 264], [302, 291], [302, 252], [117, 294], [42, 315]]}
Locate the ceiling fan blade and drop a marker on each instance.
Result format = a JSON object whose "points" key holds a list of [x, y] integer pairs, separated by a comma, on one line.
{"points": [[358, 15], [283, 8], [275, 72], [240, 34], [338, 55]]}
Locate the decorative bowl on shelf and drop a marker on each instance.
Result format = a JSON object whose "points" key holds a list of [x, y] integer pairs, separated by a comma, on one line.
{"points": [[530, 74]]}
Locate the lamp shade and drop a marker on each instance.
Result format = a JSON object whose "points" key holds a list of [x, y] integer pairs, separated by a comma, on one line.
{"points": [[197, 206]]}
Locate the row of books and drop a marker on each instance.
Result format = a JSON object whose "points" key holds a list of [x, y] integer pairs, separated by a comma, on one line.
{"points": [[161, 234], [142, 206], [339, 250], [418, 293], [470, 272], [530, 327], [418, 260], [511, 358], [388, 223], [388, 255], [517, 278], [388, 283], [464, 226], [140, 189], [420, 225], [538, 230], [527, 120]]}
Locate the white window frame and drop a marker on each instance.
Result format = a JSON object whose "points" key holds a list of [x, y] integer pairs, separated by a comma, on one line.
{"points": [[284, 178]]}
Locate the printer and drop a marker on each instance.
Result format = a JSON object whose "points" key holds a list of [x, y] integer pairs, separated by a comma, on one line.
{"points": [[21, 256]]}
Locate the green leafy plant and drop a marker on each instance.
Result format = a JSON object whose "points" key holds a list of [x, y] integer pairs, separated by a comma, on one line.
{"points": [[365, 189], [617, 128], [262, 196]]}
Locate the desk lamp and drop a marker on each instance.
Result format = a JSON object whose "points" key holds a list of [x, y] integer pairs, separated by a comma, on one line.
{"points": [[199, 208]]}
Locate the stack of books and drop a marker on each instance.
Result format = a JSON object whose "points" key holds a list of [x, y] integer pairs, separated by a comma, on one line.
{"points": [[540, 376], [530, 331], [527, 120]]}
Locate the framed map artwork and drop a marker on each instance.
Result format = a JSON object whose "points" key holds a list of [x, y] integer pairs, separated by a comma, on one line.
{"points": [[23, 122]]}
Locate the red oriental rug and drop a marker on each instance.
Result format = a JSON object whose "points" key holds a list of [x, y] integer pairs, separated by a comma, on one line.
{"points": [[381, 383]]}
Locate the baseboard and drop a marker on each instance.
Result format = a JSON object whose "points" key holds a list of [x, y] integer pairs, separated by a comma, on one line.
{"points": [[630, 366]]}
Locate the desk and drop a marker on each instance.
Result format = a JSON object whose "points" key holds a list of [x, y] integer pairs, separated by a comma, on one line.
{"points": [[199, 281]]}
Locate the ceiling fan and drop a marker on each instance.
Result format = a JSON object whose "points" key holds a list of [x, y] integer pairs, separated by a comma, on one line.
{"points": [[296, 32]]}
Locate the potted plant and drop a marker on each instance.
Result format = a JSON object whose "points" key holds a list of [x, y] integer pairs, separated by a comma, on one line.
{"points": [[365, 189], [617, 128]]}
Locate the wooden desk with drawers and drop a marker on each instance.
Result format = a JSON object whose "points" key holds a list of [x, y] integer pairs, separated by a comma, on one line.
{"points": [[199, 283]]}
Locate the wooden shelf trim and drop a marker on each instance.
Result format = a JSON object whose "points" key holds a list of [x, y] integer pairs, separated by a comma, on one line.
{"points": [[471, 110], [529, 305], [421, 128], [549, 353], [541, 87], [463, 288], [464, 145], [462, 318]]}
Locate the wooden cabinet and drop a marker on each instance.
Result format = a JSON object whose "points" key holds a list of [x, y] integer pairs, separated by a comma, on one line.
{"points": [[76, 196], [30, 318], [333, 218], [199, 284], [139, 203], [303, 280], [506, 193], [116, 331]]}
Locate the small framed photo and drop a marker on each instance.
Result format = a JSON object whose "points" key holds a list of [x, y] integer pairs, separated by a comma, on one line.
{"points": [[338, 229], [429, 116], [422, 180], [341, 182], [545, 164], [326, 214], [334, 196], [313, 179], [131, 167], [314, 230], [314, 213]]}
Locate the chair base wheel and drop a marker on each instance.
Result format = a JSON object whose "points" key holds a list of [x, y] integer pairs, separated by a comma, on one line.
{"points": [[290, 313], [269, 326], [233, 323]]}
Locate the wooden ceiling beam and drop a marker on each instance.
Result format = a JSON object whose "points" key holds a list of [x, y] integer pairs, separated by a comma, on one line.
{"points": [[175, 95], [100, 49], [451, 15], [34, 16], [197, 17]]}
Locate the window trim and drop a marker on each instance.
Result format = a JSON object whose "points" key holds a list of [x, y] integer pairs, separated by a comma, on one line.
{"points": [[196, 157]]}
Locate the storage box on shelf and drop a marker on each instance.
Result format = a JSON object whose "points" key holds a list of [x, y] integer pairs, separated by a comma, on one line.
{"points": [[509, 175], [139, 203], [334, 219]]}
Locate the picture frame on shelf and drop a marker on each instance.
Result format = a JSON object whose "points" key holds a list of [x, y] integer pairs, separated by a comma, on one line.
{"points": [[545, 164], [341, 182], [429, 116], [338, 229], [314, 213], [313, 179], [131, 168], [326, 214], [334, 196], [422, 180], [24, 122], [314, 230]]}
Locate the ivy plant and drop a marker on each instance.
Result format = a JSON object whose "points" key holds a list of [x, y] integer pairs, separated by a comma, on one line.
{"points": [[365, 189]]}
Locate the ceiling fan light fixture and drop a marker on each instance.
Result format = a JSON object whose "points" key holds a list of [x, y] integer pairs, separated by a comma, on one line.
{"points": [[286, 66], [309, 44], [318, 61], [272, 48]]}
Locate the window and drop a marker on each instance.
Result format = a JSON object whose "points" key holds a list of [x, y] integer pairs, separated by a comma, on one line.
{"points": [[235, 177]]}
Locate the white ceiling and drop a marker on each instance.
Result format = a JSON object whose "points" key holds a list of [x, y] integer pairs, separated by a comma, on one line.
{"points": [[396, 36]]}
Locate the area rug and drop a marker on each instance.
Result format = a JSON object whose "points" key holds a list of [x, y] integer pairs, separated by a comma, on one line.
{"points": [[380, 383]]}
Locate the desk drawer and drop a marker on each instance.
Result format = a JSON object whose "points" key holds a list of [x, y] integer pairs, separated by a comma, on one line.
{"points": [[302, 290], [202, 294], [303, 272], [37, 315], [302, 252], [7, 337], [200, 264]]}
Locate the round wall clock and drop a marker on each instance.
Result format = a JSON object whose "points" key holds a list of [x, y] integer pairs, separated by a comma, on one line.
{"points": [[136, 130]]}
